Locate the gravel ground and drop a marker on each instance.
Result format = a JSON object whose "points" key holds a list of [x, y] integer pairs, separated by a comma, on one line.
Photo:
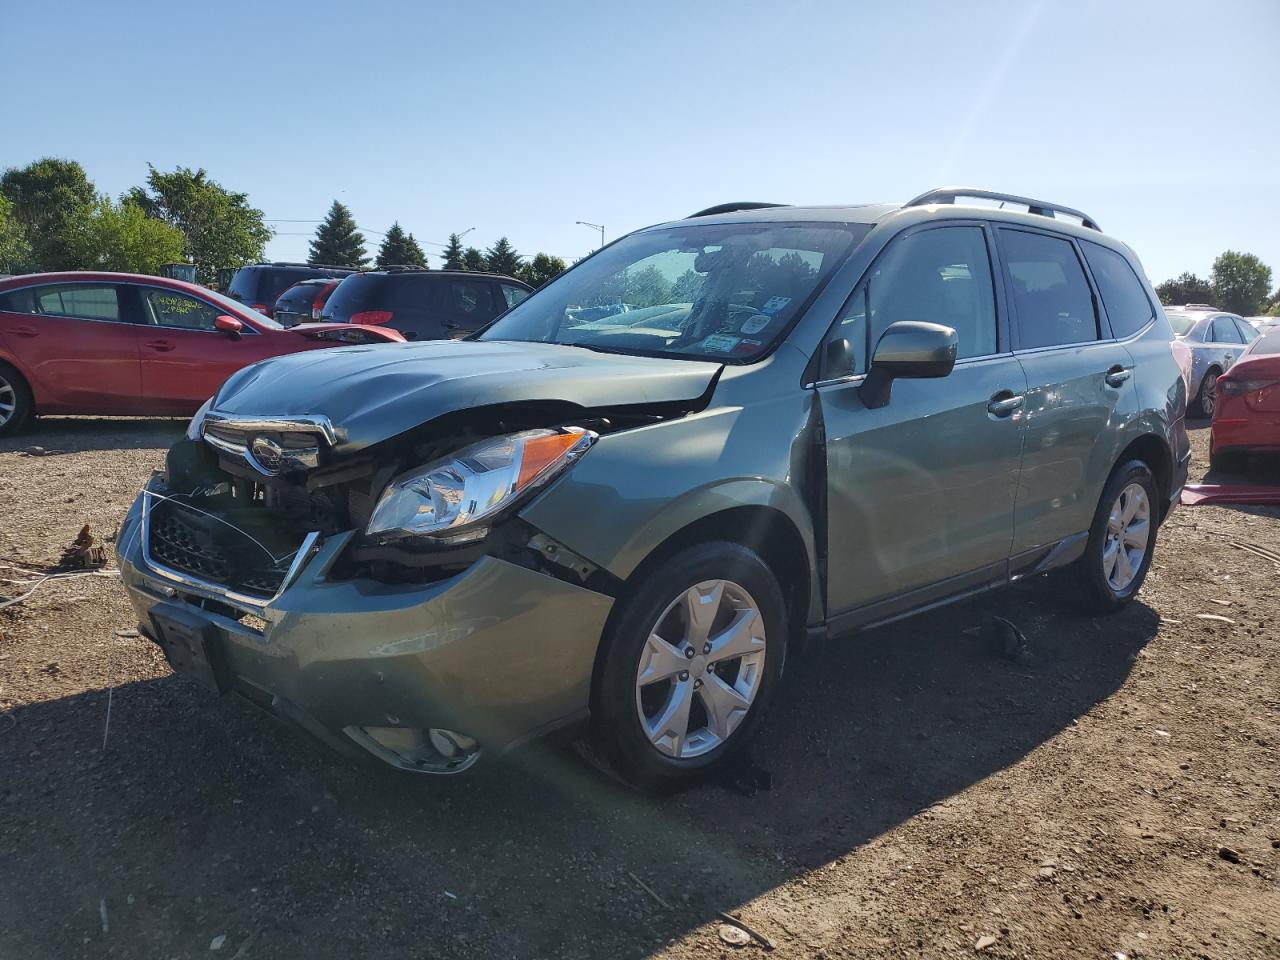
{"points": [[1114, 792]]}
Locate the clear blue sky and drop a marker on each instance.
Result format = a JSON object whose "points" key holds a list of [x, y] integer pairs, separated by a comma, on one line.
{"points": [[518, 118]]}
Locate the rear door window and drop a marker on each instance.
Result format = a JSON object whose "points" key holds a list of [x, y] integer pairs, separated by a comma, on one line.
{"points": [[1051, 295], [471, 301], [1224, 331], [1125, 298], [83, 301], [1247, 330]]}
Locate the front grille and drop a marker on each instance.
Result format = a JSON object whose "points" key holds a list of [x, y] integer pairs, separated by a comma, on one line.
{"points": [[213, 550]]}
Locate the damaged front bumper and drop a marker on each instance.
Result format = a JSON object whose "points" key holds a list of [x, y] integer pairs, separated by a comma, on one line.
{"points": [[427, 677]]}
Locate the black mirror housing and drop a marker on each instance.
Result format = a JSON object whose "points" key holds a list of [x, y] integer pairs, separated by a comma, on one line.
{"points": [[908, 348]]}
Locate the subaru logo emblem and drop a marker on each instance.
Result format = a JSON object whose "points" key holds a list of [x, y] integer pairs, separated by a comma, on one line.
{"points": [[267, 455]]}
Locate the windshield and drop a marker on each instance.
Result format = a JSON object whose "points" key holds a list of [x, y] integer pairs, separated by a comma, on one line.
{"points": [[723, 292], [1181, 322]]}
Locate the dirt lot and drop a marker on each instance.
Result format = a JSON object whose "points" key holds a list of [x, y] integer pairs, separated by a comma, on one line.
{"points": [[1117, 792]]}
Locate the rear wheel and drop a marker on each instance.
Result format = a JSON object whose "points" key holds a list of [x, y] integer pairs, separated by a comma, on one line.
{"points": [[15, 401], [690, 665], [1121, 539], [1206, 396]]}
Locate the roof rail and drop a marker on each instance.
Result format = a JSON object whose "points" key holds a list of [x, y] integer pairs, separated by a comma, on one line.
{"points": [[732, 208], [400, 268], [294, 263], [1038, 207]]}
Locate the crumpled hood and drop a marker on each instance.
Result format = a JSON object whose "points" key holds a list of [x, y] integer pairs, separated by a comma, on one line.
{"points": [[372, 393]]}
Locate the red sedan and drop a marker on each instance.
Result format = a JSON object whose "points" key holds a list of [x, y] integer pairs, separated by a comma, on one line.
{"points": [[1246, 418], [118, 343]]}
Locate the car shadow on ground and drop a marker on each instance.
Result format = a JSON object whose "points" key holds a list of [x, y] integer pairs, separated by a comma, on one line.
{"points": [[54, 435], [202, 819]]}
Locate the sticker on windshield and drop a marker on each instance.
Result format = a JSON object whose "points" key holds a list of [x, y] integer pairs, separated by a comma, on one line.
{"points": [[719, 343], [755, 323], [774, 304]]}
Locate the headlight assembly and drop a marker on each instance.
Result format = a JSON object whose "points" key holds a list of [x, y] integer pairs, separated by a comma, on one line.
{"points": [[451, 500], [193, 428]]}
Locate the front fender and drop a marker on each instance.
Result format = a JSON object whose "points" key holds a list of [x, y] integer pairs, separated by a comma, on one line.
{"points": [[639, 487]]}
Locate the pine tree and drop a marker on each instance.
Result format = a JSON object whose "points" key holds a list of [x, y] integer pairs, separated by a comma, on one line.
{"points": [[338, 242], [473, 259], [452, 255], [400, 249], [502, 258]]}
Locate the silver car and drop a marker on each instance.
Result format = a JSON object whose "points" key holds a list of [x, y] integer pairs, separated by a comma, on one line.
{"points": [[1216, 341]]}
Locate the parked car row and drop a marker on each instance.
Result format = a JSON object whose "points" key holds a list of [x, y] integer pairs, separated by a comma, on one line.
{"points": [[421, 304], [111, 343]]}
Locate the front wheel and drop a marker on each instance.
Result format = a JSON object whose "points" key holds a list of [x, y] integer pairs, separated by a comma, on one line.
{"points": [[690, 665], [1121, 539]]}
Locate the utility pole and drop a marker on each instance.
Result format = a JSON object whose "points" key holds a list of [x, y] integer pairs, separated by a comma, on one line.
{"points": [[593, 226]]}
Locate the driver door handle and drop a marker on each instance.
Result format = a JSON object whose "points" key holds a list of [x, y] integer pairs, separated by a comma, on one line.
{"points": [[1117, 375], [1004, 403], [160, 346]]}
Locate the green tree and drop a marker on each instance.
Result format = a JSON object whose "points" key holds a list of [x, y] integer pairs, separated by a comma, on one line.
{"points": [[453, 253], [540, 269], [646, 288], [473, 259], [502, 258], [400, 248], [1241, 282], [219, 227], [120, 236], [688, 287], [51, 198], [15, 252], [338, 243], [1187, 288]]}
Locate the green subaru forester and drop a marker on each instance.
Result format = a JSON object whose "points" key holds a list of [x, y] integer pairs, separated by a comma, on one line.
{"points": [[614, 509]]}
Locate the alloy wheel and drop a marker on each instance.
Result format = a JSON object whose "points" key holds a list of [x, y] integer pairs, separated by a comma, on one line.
{"points": [[1128, 536], [8, 401], [1208, 396], [701, 669]]}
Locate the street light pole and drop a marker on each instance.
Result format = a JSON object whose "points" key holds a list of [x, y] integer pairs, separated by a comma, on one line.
{"points": [[593, 226]]}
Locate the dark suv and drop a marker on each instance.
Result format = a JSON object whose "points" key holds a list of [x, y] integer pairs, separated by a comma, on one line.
{"points": [[260, 284], [424, 304]]}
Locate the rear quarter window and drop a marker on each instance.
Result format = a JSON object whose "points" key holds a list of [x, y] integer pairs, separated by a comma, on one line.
{"points": [[1123, 294]]}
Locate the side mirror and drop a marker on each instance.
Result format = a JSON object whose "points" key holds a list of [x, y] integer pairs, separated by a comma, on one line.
{"points": [[838, 360], [909, 348], [228, 325]]}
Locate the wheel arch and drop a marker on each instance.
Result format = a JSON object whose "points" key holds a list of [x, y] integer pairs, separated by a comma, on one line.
{"points": [[1154, 451], [764, 529]]}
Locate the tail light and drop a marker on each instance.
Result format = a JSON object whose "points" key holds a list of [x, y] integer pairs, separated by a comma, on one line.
{"points": [[1182, 357], [1229, 386], [373, 317], [318, 303], [261, 308]]}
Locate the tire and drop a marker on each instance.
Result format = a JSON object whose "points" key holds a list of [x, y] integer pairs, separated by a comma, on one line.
{"points": [[1227, 462], [15, 401], [1108, 587], [1206, 399], [636, 723]]}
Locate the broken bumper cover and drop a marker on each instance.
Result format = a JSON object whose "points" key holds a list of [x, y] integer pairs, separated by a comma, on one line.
{"points": [[499, 652]]}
